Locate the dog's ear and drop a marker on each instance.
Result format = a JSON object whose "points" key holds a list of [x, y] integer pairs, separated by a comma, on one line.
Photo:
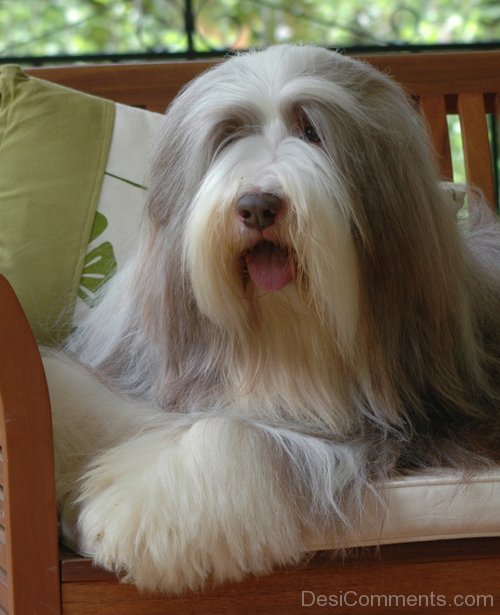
{"points": [[182, 155], [415, 336], [169, 312]]}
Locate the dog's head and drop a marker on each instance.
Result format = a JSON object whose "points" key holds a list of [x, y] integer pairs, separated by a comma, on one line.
{"points": [[295, 207], [287, 171]]}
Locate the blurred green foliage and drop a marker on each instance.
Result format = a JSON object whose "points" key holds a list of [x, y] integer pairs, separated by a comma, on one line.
{"points": [[38, 27]]}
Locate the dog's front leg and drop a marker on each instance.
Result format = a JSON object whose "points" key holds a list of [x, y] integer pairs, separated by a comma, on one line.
{"points": [[87, 417], [211, 498]]}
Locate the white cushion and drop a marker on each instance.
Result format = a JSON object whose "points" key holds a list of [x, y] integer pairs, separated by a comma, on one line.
{"points": [[437, 506]]}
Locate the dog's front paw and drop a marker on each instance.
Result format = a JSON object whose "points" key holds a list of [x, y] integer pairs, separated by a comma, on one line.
{"points": [[168, 513]]}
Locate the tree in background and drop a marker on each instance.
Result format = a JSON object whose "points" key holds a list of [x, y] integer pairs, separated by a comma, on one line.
{"points": [[72, 27]]}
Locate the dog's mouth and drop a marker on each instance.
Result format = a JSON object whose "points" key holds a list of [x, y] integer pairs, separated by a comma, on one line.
{"points": [[269, 266]]}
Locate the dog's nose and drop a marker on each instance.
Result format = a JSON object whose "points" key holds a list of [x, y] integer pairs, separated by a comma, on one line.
{"points": [[259, 209]]}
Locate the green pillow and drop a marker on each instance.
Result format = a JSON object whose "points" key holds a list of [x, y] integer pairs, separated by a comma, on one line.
{"points": [[54, 143]]}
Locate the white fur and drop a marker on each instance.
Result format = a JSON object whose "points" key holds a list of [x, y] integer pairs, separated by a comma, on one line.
{"points": [[171, 499], [227, 424]]}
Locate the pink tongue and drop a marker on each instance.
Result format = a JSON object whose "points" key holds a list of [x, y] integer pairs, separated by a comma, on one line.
{"points": [[269, 266]]}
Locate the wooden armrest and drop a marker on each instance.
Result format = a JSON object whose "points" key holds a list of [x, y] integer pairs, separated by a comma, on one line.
{"points": [[28, 550]]}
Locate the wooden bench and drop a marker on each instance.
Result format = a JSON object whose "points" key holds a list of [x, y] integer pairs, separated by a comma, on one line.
{"points": [[37, 577]]}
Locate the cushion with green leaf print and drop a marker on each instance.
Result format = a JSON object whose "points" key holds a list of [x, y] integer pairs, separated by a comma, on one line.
{"points": [[99, 265], [73, 181], [54, 145], [115, 233]]}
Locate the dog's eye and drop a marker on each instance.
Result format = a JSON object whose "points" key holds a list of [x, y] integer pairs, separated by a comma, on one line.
{"points": [[307, 130], [310, 134], [226, 133]]}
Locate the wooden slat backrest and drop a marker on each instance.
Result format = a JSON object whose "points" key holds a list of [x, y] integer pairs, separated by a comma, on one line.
{"points": [[29, 550], [150, 86], [433, 107], [472, 113], [154, 85], [467, 83]]}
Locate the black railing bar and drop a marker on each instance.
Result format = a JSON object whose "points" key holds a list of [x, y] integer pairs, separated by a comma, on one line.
{"points": [[495, 154], [217, 53], [189, 28], [112, 58]]}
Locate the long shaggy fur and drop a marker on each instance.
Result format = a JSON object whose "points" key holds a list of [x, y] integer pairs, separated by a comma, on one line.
{"points": [[237, 422]]}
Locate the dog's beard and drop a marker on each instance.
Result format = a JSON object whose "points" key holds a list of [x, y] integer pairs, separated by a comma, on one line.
{"points": [[286, 296], [304, 263]]}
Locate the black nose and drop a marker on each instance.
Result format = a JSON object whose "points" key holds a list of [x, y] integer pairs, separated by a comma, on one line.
{"points": [[259, 209]]}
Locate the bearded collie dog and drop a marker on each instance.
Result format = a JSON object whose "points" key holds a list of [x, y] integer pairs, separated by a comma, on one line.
{"points": [[302, 319]]}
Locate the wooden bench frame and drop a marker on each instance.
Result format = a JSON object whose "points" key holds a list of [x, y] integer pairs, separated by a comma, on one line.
{"points": [[37, 577]]}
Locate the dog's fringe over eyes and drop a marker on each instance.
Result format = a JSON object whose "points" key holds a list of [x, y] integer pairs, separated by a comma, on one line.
{"points": [[302, 318]]}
